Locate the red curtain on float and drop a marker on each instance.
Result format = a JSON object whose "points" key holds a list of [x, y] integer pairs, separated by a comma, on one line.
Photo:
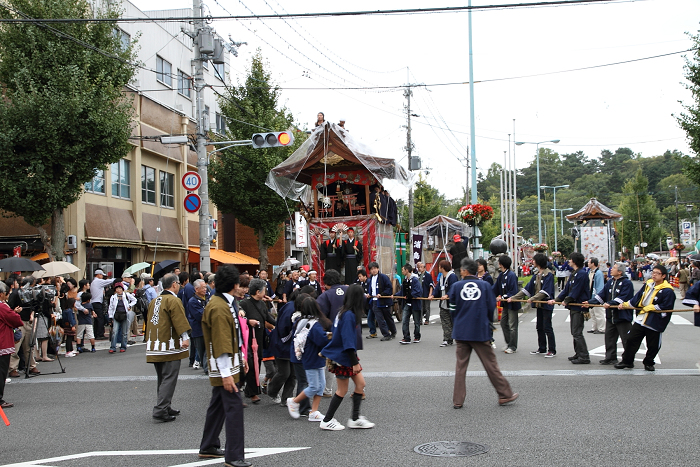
{"points": [[365, 232]]}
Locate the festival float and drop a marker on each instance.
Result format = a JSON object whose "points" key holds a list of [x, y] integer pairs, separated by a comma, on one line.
{"points": [[338, 184]]}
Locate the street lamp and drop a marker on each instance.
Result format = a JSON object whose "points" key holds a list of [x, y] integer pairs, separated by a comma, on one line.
{"points": [[539, 205], [554, 188]]}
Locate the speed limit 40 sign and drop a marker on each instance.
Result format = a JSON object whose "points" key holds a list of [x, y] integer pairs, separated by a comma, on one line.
{"points": [[191, 181]]}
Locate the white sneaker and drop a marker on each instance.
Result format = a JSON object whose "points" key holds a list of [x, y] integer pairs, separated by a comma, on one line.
{"points": [[293, 408], [493, 345], [361, 422], [69, 354], [444, 344], [509, 350], [196, 365], [332, 425], [316, 416], [277, 400], [505, 348]]}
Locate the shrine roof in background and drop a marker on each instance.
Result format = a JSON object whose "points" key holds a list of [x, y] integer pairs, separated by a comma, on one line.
{"points": [[594, 209]]}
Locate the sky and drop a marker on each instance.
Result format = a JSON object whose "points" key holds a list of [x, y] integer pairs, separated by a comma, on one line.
{"points": [[606, 107]]}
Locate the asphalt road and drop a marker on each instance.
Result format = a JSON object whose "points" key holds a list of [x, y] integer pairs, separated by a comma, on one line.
{"points": [[566, 415]]}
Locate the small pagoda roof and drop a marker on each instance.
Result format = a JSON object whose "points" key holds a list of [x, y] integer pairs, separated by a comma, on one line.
{"points": [[331, 147], [594, 209]]}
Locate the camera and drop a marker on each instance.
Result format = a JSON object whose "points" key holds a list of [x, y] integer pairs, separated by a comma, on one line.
{"points": [[37, 295]]}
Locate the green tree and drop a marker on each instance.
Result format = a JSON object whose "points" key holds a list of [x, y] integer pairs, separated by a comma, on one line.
{"points": [[427, 203], [689, 120], [640, 214], [237, 176], [63, 113]]}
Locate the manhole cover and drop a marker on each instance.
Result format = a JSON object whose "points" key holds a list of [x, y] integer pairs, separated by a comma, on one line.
{"points": [[451, 449]]}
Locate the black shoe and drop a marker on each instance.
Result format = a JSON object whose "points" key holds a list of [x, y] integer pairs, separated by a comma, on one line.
{"points": [[393, 336], [131, 342], [649, 367], [578, 361], [238, 463], [386, 338], [598, 332], [608, 362], [164, 418], [590, 332], [173, 412], [622, 365], [211, 453], [573, 358]]}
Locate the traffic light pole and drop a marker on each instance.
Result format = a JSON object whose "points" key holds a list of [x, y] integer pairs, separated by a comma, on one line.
{"points": [[202, 162], [409, 147]]}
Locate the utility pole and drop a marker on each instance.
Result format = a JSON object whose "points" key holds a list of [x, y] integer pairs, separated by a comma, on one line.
{"points": [[409, 148], [201, 31], [466, 188]]}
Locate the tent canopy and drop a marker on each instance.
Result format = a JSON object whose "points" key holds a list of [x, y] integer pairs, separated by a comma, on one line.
{"points": [[594, 209], [329, 149]]}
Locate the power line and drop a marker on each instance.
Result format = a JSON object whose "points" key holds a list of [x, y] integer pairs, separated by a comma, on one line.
{"points": [[398, 11]]}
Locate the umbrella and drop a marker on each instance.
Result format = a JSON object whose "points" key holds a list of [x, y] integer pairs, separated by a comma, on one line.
{"points": [[165, 264], [57, 268], [694, 257], [256, 364], [15, 263], [136, 267]]}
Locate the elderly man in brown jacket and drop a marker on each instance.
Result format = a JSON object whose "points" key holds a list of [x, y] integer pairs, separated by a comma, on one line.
{"points": [[167, 343], [227, 362]]}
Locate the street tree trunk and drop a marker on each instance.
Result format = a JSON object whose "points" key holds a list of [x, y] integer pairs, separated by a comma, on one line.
{"points": [[54, 244], [262, 247]]}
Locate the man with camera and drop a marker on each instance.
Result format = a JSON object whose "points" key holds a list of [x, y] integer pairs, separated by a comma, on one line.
{"points": [[97, 290], [25, 313]]}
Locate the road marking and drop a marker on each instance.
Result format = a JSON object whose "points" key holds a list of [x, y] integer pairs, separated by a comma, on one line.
{"points": [[614, 372], [675, 319], [600, 351], [249, 454]]}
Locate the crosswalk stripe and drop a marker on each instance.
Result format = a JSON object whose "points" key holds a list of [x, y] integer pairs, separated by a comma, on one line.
{"points": [[676, 319]]}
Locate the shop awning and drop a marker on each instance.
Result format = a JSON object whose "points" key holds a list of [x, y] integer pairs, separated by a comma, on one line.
{"points": [[107, 226], [40, 257], [226, 257]]}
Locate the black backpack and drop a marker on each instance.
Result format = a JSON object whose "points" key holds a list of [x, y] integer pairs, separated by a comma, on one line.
{"points": [[141, 305]]}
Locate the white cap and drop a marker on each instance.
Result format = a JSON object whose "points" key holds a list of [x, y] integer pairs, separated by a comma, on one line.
{"points": [[99, 272]]}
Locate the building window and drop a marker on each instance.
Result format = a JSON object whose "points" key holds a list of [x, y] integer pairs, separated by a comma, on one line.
{"points": [[220, 124], [121, 180], [148, 185], [97, 184], [219, 71], [183, 83], [164, 71], [167, 195], [124, 38]]}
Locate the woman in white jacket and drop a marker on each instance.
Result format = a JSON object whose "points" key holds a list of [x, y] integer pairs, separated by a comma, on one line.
{"points": [[119, 305]]}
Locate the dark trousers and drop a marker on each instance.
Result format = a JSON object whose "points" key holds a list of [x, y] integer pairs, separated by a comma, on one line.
{"points": [[408, 312], [384, 320], [634, 340], [580, 347], [488, 360], [99, 326], [284, 380], [252, 382], [4, 370], [302, 383], [545, 332], [509, 326], [612, 332], [193, 353], [350, 270], [226, 407], [198, 344], [167, 373], [425, 304]]}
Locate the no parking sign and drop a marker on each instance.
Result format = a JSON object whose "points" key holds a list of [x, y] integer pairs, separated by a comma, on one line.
{"points": [[192, 202]]}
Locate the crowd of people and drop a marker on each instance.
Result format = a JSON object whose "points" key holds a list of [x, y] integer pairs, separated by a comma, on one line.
{"points": [[231, 324]]}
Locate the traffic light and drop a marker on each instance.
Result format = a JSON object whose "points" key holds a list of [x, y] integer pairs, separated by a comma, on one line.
{"points": [[272, 140]]}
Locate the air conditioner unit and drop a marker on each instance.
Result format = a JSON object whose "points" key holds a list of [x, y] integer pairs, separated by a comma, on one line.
{"points": [[72, 242]]}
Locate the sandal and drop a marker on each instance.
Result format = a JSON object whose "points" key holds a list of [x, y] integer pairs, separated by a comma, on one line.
{"points": [[6, 405], [457, 406], [46, 360]]}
